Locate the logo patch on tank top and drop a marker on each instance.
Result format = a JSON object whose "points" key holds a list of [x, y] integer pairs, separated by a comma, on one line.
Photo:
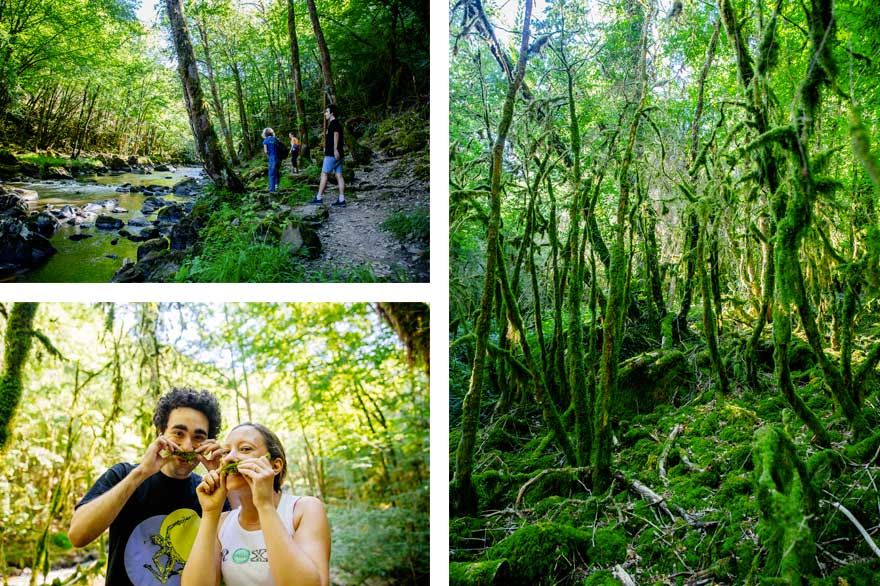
{"points": [[241, 555]]}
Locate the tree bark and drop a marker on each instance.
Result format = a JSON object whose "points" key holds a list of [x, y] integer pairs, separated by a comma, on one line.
{"points": [[216, 166], [215, 94], [296, 75], [17, 342], [326, 70]]}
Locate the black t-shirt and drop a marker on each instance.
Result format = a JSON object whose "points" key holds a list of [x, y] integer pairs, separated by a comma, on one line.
{"points": [[333, 127], [151, 537]]}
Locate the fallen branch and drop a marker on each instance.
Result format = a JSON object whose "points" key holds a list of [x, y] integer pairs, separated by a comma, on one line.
{"points": [[671, 440], [586, 470], [646, 493], [858, 525], [621, 575]]}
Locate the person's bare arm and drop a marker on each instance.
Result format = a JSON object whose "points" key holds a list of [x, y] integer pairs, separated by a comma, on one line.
{"points": [[304, 559], [92, 518], [336, 137]]}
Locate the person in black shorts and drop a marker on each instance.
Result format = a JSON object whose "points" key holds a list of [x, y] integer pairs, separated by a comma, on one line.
{"points": [[151, 508], [333, 155]]}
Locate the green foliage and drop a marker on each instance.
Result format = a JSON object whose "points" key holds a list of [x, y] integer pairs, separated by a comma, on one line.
{"points": [[601, 578], [415, 225], [394, 548], [609, 546]]}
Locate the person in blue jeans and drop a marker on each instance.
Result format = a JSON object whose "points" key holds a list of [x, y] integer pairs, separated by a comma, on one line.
{"points": [[270, 147]]}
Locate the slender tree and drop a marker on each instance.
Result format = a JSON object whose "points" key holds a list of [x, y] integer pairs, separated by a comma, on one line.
{"points": [[326, 71], [216, 166], [462, 493], [296, 75]]}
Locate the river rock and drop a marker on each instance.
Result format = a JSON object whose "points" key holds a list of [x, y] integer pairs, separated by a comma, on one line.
{"points": [[152, 247], [108, 223], [123, 188], [152, 204], [184, 234], [25, 194], [119, 211], [157, 188], [65, 213], [128, 273], [171, 214], [165, 168], [12, 206], [138, 222], [117, 164], [57, 173], [186, 186], [21, 247], [78, 237], [98, 206], [144, 235], [44, 224]]}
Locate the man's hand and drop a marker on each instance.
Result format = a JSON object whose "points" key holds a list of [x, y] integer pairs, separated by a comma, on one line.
{"points": [[153, 460], [336, 154]]}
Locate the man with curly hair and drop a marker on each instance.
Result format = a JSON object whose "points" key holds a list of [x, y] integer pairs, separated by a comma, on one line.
{"points": [[151, 508]]}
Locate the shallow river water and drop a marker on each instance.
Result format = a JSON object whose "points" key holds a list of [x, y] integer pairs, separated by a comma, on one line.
{"points": [[95, 259]]}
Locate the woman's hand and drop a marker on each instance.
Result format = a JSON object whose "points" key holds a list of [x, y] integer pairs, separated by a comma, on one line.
{"points": [[210, 453], [212, 492], [260, 476]]}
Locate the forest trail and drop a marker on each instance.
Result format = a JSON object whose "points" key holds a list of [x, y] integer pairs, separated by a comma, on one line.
{"points": [[353, 238]]}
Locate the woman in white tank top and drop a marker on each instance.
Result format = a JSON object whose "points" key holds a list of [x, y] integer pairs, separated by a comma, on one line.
{"points": [[272, 538]]}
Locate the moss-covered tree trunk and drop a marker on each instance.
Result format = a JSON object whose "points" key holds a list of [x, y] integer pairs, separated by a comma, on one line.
{"points": [[296, 75], [247, 140], [17, 343], [617, 273], [216, 166], [462, 493], [576, 374], [709, 323]]}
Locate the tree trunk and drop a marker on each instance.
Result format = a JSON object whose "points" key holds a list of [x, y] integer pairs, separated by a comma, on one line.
{"points": [[215, 94], [296, 75], [17, 342], [208, 146], [463, 498], [615, 309], [329, 88], [246, 139], [709, 323]]}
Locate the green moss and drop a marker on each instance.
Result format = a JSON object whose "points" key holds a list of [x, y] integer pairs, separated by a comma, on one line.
{"points": [[734, 485], [609, 546], [482, 573], [542, 553], [601, 578], [786, 501]]}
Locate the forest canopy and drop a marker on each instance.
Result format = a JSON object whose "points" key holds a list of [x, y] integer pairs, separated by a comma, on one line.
{"points": [[334, 381], [88, 75], [664, 279]]}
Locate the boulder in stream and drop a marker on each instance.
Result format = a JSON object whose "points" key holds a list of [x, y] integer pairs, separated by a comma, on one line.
{"points": [[186, 186], [152, 205], [44, 224], [108, 223], [21, 247], [57, 173], [78, 237], [171, 214], [165, 168], [12, 206], [116, 163]]}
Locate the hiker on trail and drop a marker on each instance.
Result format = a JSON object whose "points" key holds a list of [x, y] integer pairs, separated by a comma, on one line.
{"points": [[151, 508], [271, 148], [333, 155], [273, 537], [294, 153]]}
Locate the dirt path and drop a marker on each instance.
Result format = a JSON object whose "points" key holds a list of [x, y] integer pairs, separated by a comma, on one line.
{"points": [[353, 240]]}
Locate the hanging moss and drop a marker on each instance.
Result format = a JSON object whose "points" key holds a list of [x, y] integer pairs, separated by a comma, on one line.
{"points": [[787, 504], [542, 553]]}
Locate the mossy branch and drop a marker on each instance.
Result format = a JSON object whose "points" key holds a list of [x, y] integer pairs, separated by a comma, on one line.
{"points": [[783, 135], [48, 345]]}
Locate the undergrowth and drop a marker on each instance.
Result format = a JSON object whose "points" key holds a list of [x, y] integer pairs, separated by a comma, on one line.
{"points": [[551, 528], [415, 225]]}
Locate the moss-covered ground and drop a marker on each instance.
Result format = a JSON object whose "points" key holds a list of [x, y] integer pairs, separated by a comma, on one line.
{"points": [[748, 490]]}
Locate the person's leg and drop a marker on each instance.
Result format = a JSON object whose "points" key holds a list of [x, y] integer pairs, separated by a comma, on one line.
{"points": [[271, 176], [322, 186], [341, 182], [278, 174]]}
